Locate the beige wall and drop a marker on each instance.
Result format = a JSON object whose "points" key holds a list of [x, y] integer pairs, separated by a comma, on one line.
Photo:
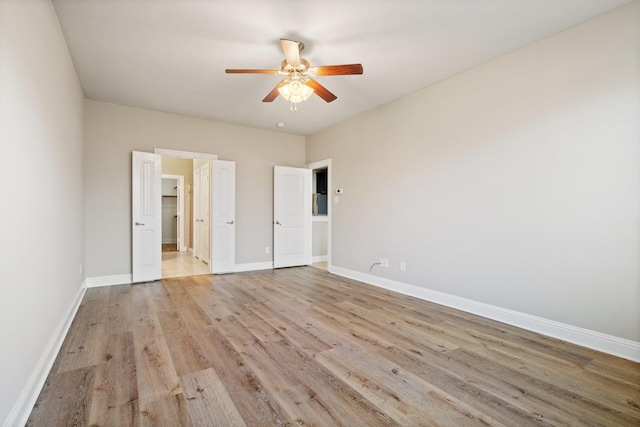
{"points": [[319, 236], [41, 196], [515, 183], [183, 167], [112, 132]]}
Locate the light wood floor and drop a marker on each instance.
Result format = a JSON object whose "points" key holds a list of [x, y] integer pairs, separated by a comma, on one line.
{"points": [[300, 346], [322, 265], [181, 264]]}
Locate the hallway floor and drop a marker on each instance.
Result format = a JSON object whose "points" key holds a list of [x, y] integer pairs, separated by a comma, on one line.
{"points": [[321, 265], [181, 264]]}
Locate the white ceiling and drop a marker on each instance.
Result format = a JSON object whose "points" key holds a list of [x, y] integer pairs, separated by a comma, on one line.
{"points": [[170, 55]]}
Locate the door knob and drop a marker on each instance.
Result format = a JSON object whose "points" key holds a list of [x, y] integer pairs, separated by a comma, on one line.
{"points": [[230, 222], [278, 223], [139, 223]]}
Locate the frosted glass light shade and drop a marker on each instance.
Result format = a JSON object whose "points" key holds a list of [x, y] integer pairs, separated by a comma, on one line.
{"points": [[295, 91]]}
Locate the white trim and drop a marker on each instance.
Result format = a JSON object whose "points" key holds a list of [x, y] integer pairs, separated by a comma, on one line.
{"points": [[319, 218], [21, 410], [185, 154], [610, 344], [125, 279], [319, 258], [253, 266], [116, 279]]}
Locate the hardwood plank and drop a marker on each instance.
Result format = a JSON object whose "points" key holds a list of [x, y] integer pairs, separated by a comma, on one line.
{"points": [[56, 406], [119, 314], [325, 393], [208, 401], [82, 345], [186, 355], [253, 400], [407, 399], [615, 369], [541, 395], [213, 305], [168, 411], [283, 369], [506, 403], [155, 373], [115, 395], [303, 346], [261, 329], [302, 338]]}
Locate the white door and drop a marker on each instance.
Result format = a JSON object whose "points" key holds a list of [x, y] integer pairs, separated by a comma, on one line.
{"points": [[196, 213], [291, 217], [146, 217], [205, 213], [224, 213]]}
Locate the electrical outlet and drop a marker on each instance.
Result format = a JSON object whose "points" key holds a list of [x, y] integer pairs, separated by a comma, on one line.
{"points": [[385, 264], [381, 262], [403, 266], [266, 250]]}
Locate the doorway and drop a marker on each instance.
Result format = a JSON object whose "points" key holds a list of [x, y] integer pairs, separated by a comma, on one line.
{"points": [[173, 238], [178, 256], [321, 218], [146, 216]]}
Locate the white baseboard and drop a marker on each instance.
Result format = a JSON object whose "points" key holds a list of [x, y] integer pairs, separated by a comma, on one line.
{"points": [[320, 258], [125, 279], [253, 266], [116, 279], [610, 344], [20, 412]]}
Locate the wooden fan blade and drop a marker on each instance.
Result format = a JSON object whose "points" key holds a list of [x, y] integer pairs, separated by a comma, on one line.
{"points": [[291, 51], [320, 90], [337, 70], [274, 93], [244, 71]]}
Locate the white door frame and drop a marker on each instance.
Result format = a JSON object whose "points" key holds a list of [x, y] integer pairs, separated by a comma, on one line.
{"points": [[206, 171], [191, 155], [181, 246], [321, 165], [195, 211]]}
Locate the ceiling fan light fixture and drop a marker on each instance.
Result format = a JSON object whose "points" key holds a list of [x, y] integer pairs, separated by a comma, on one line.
{"points": [[294, 90], [299, 84]]}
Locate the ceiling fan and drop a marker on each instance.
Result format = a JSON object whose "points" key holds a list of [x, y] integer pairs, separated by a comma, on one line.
{"points": [[299, 85]]}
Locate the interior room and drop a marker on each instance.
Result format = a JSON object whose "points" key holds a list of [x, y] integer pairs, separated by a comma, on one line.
{"points": [[387, 213]]}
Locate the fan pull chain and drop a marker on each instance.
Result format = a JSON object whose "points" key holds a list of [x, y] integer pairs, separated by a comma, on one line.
{"points": [[294, 107]]}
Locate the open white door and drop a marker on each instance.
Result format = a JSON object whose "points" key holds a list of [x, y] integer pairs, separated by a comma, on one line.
{"points": [[224, 213], [146, 217], [291, 217]]}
